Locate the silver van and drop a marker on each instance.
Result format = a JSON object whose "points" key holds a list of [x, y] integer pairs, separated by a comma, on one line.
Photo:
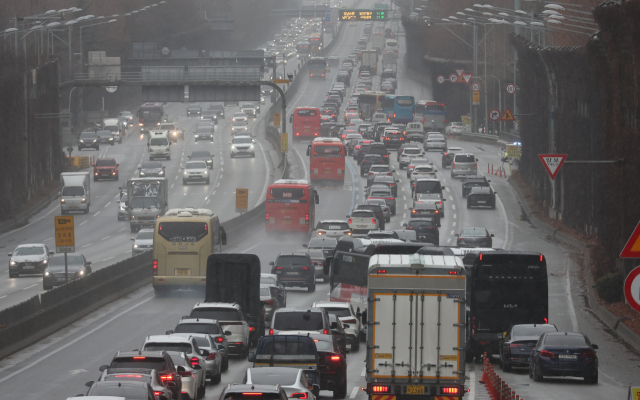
{"points": [[464, 164]]}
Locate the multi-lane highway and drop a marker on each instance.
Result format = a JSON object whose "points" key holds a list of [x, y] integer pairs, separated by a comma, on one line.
{"points": [[58, 366]]}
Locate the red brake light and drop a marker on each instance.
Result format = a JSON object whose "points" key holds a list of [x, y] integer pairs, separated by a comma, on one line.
{"points": [[541, 258], [373, 220], [211, 356], [154, 272], [380, 389], [252, 394], [588, 354], [350, 220], [267, 216], [166, 377], [325, 332], [194, 361], [139, 358], [480, 256], [269, 302], [306, 217], [252, 329], [335, 358], [453, 272], [381, 271], [219, 340], [128, 376], [450, 390], [305, 268], [157, 393], [270, 331], [546, 321], [547, 353], [300, 395]]}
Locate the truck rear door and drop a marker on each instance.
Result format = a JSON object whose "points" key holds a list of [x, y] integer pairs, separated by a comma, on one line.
{"points": [[415, 335]]}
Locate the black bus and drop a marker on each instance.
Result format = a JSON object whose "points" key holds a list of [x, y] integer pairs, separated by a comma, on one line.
{"points": [[506, 288], [150, 116]]}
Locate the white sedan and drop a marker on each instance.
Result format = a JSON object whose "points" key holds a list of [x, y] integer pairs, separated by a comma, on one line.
{"points": [[293, 381]]}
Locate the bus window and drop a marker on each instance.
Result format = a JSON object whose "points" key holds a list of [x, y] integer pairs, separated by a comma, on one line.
{"points": [[403, 109]]}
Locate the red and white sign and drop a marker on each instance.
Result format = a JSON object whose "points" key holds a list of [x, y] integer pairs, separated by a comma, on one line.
{"points": [[459, 72], [632, 288], [494, 115], [453, 78], [440, 79], [475, 86], [632, 248], [467, 78], [552, 163], [511, 88]]}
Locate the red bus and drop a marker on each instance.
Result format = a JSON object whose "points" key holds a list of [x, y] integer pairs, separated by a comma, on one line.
{"points": [[326, 159], [306, 123], [291, 206]]}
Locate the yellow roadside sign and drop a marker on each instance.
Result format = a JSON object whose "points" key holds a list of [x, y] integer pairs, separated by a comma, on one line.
{"points": [[476, 97], [280, 81], [284, 142], [514, 150], [276, 119], [64, 234], [242, 200], [466, 120]]}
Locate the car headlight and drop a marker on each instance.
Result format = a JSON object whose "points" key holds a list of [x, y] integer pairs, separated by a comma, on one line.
{"points": [[161, 173], [206, 173], [186, 173], [251, 147], [81, 273], [13, 263], [135, 246], [44, 262], [47, 273], [141, 173]]}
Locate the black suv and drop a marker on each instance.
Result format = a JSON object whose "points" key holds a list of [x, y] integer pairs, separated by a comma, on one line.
{"points": [[158, 360], [469, 183], [386, 180], [426, 229], [481, 196], [194, 110], [368, 161], [377, 211], [379, 148], [295, 270], [429, 210], [88, 139], [219, 109]]}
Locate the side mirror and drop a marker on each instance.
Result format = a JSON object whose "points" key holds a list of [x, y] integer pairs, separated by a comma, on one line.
{"points": [[51, 253], [228, 333], [346, 326], [133, 239], [334, 325], [495, 192], [88, 263], [272, 263], [305, 245], [443, 188], [477, 159], [103, 367], [169, 332], [405, 224], [117, 165], [457, 235], [492, 235], [89, 384], [251, 357], [171, 384], [594, 346], [223, 236]]}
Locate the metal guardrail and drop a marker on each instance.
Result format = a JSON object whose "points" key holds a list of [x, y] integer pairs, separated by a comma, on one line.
{"points": [[23, 217]]}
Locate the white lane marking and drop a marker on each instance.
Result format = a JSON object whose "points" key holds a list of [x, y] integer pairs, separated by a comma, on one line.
{"points": [[105, 238], [449, 240], [2, 297], [123, 229], [402, 189], [405, 206], [364, 371], [251, 248], [453, 206], [354, 392], [403, 196], [59, 349], [175, 178], [47, 239], [214, 192], [29, 287], [455, 215], [107, 205], [171, 185], [472, 385], [126, 252], [107, 259], [572, 310], [506, 245], [454, 223], [96, 213], [218, 182], [447, 189], [453, 232], [87, 245], [207, 202]]}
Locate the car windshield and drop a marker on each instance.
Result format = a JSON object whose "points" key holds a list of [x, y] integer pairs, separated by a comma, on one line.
{"points": [[379, 193], [195, 165], [111, 128], [532, 330], [565, 340], [29, 251], [204, 129], [473, 232], [338, 311], [146, 203], [147, 235], [72, 259], [239, 122], [333, 225], [167, 126], [420, 223], [292, 260], [411, 151], [423, 169], [264, 376], [159, 364], [76, 191], [298, 321], [322, 243], [242, 140], [323, 345], [221, 314], [104, 133], [380, 168], [159, 142], [189, 327], [151, 165], [179, 347], [269, 280], [88, 135], [435, 137]]}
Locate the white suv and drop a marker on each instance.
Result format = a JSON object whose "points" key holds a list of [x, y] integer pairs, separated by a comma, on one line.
{"points": [[180, 344], [333, 228], [362, 221], [159, 146], [232, 319], [348, 317]]}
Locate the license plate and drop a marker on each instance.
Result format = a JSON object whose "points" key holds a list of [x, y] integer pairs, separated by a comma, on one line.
{"points": [[327, 171], [361, 226], [334, 227], [292, 273], [74, 206], [415, 389], [307, 127], [481, 201], [464, 169], [568, 356], [287, 221], [183, 271], [28, 267]]}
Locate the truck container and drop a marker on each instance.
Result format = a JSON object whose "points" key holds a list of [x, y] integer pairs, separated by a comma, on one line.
{"points": [[416, 327], [369, 59], [235, 278], [76, 191], [147, 199], [378, 41]]}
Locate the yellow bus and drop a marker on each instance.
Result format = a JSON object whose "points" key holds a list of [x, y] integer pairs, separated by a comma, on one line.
{"points": [[183, 239]]}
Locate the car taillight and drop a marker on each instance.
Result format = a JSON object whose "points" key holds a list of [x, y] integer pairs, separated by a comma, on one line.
{"points": [[380, 389], [450, 390], [166, 377], [252, 394], [588, 354], [547, 353], [267, 216], [305, 268], [306, 219], [335, 358], [453, 165], [394, 115], [270, 331], [157, 393], [194, 361], [350, 321], [373, 220], [350, 220], [155, 269], [252, 329], [211, 356], [300, 395], [326, 332], [219, 340], [322, 233], [185, 374], [476, 165]]}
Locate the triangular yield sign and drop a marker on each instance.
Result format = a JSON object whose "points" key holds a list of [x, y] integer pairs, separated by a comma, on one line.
{"points": [[459, 72], [467, 78], [552, 163], [632, 248], [507, 115]]}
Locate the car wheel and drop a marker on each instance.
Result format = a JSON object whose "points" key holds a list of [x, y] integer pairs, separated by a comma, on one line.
{"points": [[201, 390], [120, 218], [341, 392], [225, 363], [537, 374], [355, 346], [325, 279], [208, 181], [184, 182], [312, 288], [468, 204], [387, 219], [592, 379], [253, 155], [13, 275], [49, 287], [159, 291], [493, 206], [133, 229], [196, 140], [86, 211], [169, 158], [95, 179], [117, 177], [216, 379]]}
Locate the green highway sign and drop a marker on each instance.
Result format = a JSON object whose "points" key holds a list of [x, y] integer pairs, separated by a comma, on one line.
{"points": [[382, 6], [362, 15]]}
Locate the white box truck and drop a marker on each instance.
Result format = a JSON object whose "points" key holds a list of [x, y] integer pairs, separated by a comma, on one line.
{"points": [[76, 192], [416, 327], [369, 61]]}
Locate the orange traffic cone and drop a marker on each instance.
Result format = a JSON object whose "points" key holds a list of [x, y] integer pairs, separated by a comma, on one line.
{"points": [[484, 369]]}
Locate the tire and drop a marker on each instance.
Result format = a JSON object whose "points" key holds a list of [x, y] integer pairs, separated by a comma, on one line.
{"points": [[225, 363], [208, 181], [49, 287], [160, 291], [113, 143], [468, 204], [216, 379], [196, 140], [230, 155], [253, 155], [341, 393], [117, 177], [86, 211], [493, 206], [325, 279], [14, 275], [120, 218], [387, 219], [133, 229], [537, 375], [184, 182], [592, 379], [202, 389], [355, 346], [312, 288], [169, 158], [95, 179]]}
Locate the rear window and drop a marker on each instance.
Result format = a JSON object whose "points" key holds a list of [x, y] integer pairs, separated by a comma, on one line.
{"points": [[421, 223], [298, 321], [404, 102], [565, 341], [327, 149], [465, 158], [362, 214], [333, 225], [159, 142], [252, 396], [338, 312], [136, 392], [532, 330], [265, 376], [287, 193], [474, 232], [183, 231], [428, 187], [88, 135], [179, 347], [307, 113], [435, 107], [411, 151], [211, 329], [221, 314], [156, 363], [292, 260]]}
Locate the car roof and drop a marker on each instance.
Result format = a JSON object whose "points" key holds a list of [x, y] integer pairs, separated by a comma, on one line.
{"points": [[217, 305], [333, 304], [425, 205], [298, 310], [331, 221], [143, 353], [167, 338], [200, 153]]}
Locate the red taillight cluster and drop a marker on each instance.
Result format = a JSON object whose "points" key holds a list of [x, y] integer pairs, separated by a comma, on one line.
{"points": [[373, 220], [166, 377], [219, 340], [588, 354], [155, 268], [194, 361], [450, 390], [270, 331], [301, 395], [547, 353], [380, 389], [335, 358], [350, 220], [211, 356], [267, 216]]}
